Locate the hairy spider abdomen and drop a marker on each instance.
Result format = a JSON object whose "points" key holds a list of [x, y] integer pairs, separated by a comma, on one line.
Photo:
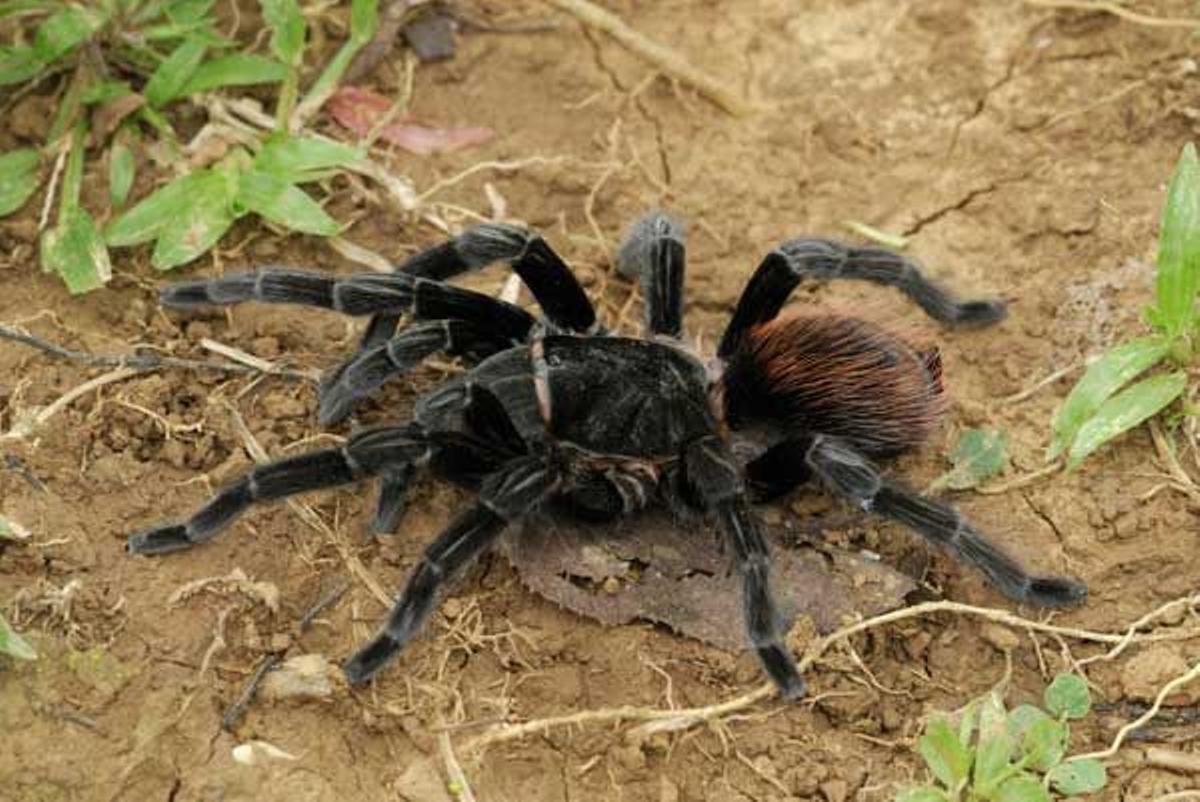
{"points": [[840, 376]]}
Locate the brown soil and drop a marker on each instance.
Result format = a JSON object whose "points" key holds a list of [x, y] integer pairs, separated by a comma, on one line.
{"points": [[1023, 151]]}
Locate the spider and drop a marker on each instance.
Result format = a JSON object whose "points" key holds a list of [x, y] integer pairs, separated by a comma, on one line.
{"points": [[555, 410]]}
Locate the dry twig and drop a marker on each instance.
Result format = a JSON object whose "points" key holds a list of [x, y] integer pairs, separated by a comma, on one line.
{"points": [[1117, 11]]}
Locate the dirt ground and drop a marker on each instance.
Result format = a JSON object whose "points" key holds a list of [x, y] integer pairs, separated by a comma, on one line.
{"points": [[1023, 151]]}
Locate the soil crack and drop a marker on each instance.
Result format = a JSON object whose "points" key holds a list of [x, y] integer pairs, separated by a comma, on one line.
{"points": [[941, 212]]}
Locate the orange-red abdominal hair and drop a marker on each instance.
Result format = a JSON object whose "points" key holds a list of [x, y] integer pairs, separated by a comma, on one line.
{"points": [[836, 376]]}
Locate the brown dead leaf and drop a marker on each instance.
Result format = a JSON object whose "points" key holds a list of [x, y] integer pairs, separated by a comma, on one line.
{"points": [[108, 116], [650, 568]]}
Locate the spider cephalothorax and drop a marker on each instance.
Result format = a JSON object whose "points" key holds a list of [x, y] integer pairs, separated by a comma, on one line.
{"points": [[557, 410]]}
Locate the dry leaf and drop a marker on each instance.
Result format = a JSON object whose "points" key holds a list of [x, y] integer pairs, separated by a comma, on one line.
{"points": [[361, 109]]}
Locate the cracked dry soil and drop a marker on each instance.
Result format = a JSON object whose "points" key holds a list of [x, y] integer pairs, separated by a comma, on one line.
{"points": [[1023, 151]]}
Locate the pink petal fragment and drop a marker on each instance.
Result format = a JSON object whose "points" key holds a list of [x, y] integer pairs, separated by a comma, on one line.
{"points": [[360, 109]]}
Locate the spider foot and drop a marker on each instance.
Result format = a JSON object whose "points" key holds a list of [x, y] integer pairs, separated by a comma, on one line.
{"points": [[973, 314], [367, 661], [780, 667], [1055, 592], [160, 540]]}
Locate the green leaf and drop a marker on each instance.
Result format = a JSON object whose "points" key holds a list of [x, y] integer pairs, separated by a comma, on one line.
{"points": [[236, 69], [284, 203], [208, 215], [1044, 743], [174, 73], [1125, 410], [294, 159], [66, 30], [1022, 788], [104, 91], [186, 12], [946, 756], [287, 29], [1179, 247], [18, 64], [925, 794], [121, 172], [18, 179], [1077, 777], [13, 644], [13, 8], [144, 221], [75, 250], [364, 19], [992, 759], [1068, 696], [978, 455], [1105, 376], [11, 530], [1022, 718]]}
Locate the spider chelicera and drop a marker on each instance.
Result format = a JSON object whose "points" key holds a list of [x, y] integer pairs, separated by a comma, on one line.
{"points": [[556, 410]]}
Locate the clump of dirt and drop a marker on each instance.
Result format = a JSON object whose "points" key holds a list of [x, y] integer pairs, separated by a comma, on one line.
{"points": [[1022, 150]]}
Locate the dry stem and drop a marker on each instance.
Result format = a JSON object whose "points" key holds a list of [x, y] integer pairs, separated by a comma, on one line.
{"points": [[1117, 11], [659, 55]]}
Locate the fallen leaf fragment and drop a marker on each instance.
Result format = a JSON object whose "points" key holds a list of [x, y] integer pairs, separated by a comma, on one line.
{"points": [[360, 110], [253, 753]]}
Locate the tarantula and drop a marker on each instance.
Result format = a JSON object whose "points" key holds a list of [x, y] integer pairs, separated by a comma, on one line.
{"points": [[555, 409]]}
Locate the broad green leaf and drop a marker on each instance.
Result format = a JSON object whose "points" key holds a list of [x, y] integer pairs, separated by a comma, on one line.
{"points": [[1022, 718], [922, 795], [75, 250], [236, 69], [174, 73], [1068, 696], [1105, 376], [284, 203], [13, 644], [364, 19], [946, 756], [121, 172], [1044, 743], [968, 722], [1178, 272], [64, 31], [287, 29], [978, 455], [992, 759], [294, 159], [1078, 777], [208, 215], [18, 64], [143, 222], [18, 179], [1125, 410], [1022, 788]]}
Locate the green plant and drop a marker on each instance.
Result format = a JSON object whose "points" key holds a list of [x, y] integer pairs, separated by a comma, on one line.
{"points": [[1000, 755], [14, 645], [123, 64], [1097, 408]]}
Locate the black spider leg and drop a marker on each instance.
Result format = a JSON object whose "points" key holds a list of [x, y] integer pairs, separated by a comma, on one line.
{"points": [[367, 453], [821, 260], [369, 369], [849, 474], [506, 496], [713, 473], [654, 251], [780, 469]]}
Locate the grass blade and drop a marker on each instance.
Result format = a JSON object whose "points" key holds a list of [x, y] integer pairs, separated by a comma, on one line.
{"points": [[174, 73], [1179, 248], [18, 64], [65, 31], [13, 644], [295, 159], [207, 216], [18, 179], [287, 30], [1105, 376], [284, 203], [1125, 410], [237, 69], [75, 250], [121, 171], [144, 221]]}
